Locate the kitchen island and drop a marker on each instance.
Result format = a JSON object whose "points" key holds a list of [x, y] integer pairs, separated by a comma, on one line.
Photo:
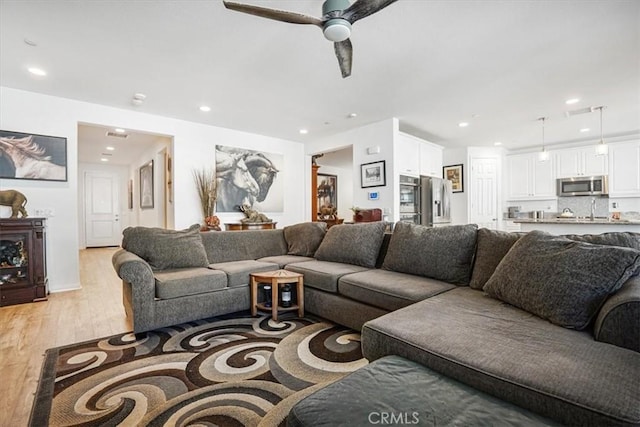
{"points": [[578, 225]]}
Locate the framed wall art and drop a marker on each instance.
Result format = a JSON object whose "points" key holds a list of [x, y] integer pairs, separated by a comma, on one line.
{"points": [[454, 174], [373, 174], [146, 186], [32, 156], [327, 191]]}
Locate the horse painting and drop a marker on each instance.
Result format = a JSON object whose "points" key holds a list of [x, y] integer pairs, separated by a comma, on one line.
{"points": [[29, 160], [244, 177]]}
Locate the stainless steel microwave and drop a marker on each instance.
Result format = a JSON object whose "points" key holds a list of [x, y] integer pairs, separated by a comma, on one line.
{"points": [[583, 186]]}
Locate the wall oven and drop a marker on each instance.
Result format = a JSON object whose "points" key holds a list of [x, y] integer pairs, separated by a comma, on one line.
{"points": [[583, 186]]}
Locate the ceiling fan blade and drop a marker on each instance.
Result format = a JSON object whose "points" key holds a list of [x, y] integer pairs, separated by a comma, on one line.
{"points": [[278, 15], [344, 53], [363, 8]]}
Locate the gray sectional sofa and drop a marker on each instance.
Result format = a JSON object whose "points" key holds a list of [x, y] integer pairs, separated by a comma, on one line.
{"points": [[549, 323]]}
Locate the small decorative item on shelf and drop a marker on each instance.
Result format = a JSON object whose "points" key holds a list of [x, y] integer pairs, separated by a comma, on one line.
{"points": [[267, 295], [286, 296], [253, 216], [16, 201], [356, 210]]}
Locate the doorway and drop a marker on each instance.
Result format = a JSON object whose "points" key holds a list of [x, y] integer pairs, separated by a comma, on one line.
{"points": [[109, 161], [484, 192]]}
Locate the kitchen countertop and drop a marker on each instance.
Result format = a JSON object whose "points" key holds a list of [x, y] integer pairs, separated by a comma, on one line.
{"points": [[575, 221]]}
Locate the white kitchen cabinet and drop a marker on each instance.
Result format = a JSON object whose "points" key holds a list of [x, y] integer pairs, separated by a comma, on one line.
{"points": [[430, 160], [407, 155], [529, 178], [624, 164], [583, 161]]}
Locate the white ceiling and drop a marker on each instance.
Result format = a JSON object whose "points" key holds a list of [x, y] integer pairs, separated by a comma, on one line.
{"points": [[498, 65]]}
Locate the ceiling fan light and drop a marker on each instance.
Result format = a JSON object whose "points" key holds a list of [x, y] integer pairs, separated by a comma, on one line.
{"points": [[337, 30]]}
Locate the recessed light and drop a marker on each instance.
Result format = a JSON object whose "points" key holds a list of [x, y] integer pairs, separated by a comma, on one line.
{"points": [[110, 148], [585, 130], [497, 143], [37, 71], [303, 131], [138, 98], [572, 101], [463, 124], [120, 130], [205, 108], [30, 42], [104, 159], [352, 115]]}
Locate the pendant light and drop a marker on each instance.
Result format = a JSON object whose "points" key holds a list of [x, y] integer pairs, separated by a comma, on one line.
{"points": [[543, 155], [602, 149]]}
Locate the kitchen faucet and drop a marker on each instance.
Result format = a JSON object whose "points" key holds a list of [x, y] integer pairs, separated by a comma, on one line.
{"points": [[593, 208]]}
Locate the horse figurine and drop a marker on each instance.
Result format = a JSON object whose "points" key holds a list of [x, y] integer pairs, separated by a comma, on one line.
{"points": [[253, 216], [29, 159], [15, 200]]}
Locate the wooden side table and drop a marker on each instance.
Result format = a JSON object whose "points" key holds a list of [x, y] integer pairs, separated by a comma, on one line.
{"points": [[238, 226], [276, 279]]}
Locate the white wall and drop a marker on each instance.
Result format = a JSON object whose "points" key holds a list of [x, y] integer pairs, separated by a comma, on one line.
{"points": [[194, 147], [377, 134]]}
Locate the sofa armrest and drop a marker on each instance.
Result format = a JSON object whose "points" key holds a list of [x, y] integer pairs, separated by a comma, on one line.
{"points": [[618, 322], [131, 268]]}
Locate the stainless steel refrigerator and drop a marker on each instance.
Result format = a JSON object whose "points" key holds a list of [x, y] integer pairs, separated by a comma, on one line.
{"points": [[435, 201]]}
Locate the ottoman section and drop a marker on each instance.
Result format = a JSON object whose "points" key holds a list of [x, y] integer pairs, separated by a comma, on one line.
{"points": [[397, 391], [188, 281], [238, 271], [324, 275], [389, 290]]}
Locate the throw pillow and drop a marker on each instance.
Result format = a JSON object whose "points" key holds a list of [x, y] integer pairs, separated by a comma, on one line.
{"points": [[492, 246], [443, 253], [559, 279], [357, 244], [164, 249], [304, 239]]}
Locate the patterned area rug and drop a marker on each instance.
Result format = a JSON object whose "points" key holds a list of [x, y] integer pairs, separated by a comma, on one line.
{"points": [[227, 371]]}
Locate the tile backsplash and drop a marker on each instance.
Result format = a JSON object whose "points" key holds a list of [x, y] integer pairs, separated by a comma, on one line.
{"points": [[581, 206]]}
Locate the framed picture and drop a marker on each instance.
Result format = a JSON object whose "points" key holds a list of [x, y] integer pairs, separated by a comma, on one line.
{"points": [[372, 174], [454, 174], [146, 186], [130, 195], [31, 156], [327, 192]]}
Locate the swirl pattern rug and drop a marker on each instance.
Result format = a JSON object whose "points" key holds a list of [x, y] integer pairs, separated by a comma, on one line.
{"points": [[227, 371]]}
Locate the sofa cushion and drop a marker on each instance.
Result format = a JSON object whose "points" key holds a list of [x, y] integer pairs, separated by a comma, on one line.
{"points": [[513, 355], [164, 249], [492, 246], [305, 238], [225, 246], [561, 280], [238, 271], [323, 275], [443, 253], [188, 281], [356, 244], [389, 290], [284, 260]]}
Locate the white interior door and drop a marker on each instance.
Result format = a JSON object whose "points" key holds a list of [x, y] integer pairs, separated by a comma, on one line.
{"points": [[102, 209], [484, 192]]}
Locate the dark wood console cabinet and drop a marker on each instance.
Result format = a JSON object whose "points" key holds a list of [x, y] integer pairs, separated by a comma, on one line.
{"points": [[23, 268]]}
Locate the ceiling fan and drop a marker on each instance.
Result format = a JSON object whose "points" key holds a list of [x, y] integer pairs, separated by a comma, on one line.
{"points": [[336, 21]]}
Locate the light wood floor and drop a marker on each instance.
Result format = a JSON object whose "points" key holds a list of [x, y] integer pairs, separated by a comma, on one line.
{"points": [[27, 330]]}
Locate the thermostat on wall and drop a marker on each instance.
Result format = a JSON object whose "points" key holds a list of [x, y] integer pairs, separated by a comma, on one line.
{"points": [[374, 195]]}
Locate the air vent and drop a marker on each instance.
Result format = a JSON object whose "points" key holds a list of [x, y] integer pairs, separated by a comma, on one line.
{"points": [[107, 154], [580, 111], [118, 135]]}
